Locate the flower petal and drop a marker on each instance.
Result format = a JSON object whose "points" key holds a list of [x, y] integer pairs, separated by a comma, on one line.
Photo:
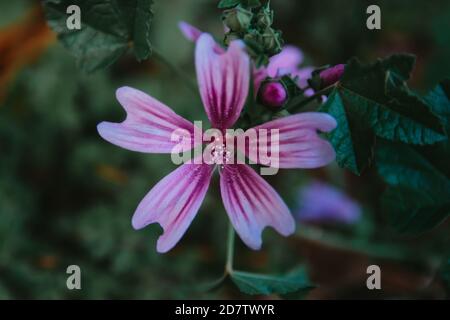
{"points": [[259, 75], [223, 79], [189, 31], [285, 62], [303, 74], [299, 144], [173, 203], [252, 204], [150, 126], [321, 202]]}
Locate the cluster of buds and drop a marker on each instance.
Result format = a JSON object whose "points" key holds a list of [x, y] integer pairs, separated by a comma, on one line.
{"points": [[237, 19], [275, 93], [254, 26]]}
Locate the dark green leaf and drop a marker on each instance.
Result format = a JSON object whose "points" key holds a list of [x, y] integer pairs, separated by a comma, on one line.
{"points": [[439, 101], [411, 211], [137, 16], [401, 165], [352, 141], [400, 66], [259, 284], [373, 100], [225, 4], [418, 197], [108, 29], [390, 108]]}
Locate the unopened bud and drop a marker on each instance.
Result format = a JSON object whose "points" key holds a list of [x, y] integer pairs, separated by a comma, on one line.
{"points": [[237, 19], [331, 75], [273, 94], [264, 18], [271, 41]]}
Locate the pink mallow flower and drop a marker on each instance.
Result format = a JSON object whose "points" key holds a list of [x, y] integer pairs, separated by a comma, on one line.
{"points": [[284, 63], [251, 203], [321, 202]]}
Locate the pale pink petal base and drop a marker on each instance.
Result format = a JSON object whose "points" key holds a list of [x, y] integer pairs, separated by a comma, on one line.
{"points": [[174, 202], [299, 144], [252, 204], [149, 126]]}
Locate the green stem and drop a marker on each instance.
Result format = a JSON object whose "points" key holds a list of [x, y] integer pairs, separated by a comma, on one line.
{"points": [[230, 250], [180, 74], [297, 105]]}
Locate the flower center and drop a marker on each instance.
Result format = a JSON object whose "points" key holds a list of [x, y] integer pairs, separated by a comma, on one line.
{"points": [[220, 155]]}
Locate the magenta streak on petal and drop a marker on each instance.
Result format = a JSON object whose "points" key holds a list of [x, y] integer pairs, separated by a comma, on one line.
{"points": [[244, 185], [223, 80], [252, 204], [300, 146], [174, 202], [238, 203]]}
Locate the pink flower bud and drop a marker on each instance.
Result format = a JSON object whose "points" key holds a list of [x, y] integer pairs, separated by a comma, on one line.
{"points": [[273, 94], [332, 75]]}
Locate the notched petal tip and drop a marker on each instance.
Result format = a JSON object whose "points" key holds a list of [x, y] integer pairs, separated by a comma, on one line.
{"points": [[289, 228], [189, 31], [254, 245], [136, 223], [331, 123], [125, 92], [173, 203], [252, 205], [206, 41], [104, 129], [162, 245], [237, 44]]}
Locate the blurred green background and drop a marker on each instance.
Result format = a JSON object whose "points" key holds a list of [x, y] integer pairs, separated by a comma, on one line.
{"points": [[67, 196]]}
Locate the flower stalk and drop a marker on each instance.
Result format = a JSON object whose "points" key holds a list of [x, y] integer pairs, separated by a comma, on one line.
{"points": [[230, 250], [297, 104]]}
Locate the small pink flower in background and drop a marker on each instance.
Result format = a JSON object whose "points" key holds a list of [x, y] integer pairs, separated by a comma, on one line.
{"points": [[321, 202], [284, 63], [251, 203]]}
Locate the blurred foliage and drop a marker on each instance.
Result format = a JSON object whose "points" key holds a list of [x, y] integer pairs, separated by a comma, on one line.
{"points": [[107, 30], [67, 196]]}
